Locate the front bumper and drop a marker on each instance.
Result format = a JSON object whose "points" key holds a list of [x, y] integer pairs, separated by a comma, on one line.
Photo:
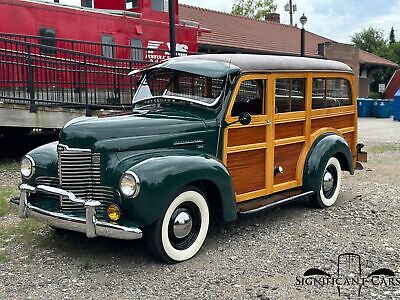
{"points": [[89, 225]]}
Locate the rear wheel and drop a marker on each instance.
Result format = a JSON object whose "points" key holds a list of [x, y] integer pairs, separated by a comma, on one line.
{"points": [[330, 183], [179, 234]]}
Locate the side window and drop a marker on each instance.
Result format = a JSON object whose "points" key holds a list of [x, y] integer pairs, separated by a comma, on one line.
{"points": [[137, 50], [87, 3], [250, 98], [47, 38], [131, 4], [330, 92], [160, 5], [290, 95], [108, 45]]}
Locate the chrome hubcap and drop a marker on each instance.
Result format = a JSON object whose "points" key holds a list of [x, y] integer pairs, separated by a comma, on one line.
{"points": [[182, 224], [328, 181]]}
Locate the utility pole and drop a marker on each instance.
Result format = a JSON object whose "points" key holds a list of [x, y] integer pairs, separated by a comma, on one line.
{"points": [[291, 8], [172, 29]]}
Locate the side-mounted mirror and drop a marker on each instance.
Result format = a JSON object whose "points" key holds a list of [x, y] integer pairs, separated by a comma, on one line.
{"points": [[245, 118]]}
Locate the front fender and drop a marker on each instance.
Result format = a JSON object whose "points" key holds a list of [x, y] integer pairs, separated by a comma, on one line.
{"points": [[323, 148], [46, 159], [163, 176]]}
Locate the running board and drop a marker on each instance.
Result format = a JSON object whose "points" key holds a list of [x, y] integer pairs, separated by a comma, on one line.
{"points": [[276, 203]]}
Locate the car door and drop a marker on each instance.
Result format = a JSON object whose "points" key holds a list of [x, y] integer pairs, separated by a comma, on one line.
{"points": [[247, 147], [291, 128]]}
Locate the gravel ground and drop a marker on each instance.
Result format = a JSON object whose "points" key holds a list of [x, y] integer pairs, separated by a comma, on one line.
{"points": [[258, 256]]}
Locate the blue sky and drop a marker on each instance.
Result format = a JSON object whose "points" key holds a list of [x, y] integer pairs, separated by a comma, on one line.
{"points": [[335, 19]]}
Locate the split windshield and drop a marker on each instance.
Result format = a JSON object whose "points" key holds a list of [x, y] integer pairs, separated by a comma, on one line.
{"points": [[176, 86]]}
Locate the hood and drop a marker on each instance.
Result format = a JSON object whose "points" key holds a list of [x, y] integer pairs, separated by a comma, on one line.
{"points": [[133, 131]]}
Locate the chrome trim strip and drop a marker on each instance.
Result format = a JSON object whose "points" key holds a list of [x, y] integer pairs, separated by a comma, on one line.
{"points": [[89, 225], [185, 143], [65, 147], [280, 202], [181, 99]]}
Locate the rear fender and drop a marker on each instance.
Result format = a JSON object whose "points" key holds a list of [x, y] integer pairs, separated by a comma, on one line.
{"points": [[323, 148]]}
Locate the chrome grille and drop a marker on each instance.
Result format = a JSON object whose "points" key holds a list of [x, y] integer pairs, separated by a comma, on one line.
{"points": [[79, 173], [47, 180]]}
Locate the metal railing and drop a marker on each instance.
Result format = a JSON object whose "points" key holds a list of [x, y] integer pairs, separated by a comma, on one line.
{"points": [[38, 74], [136, 54]]}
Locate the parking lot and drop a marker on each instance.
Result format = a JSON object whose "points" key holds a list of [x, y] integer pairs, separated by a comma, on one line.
{"points": [[260, 256]]}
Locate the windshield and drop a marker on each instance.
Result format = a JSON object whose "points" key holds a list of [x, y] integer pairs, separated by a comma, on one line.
{"points": [[171, 85]]}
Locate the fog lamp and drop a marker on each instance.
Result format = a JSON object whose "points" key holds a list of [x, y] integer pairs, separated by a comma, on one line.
{"points": [[114, 212]]}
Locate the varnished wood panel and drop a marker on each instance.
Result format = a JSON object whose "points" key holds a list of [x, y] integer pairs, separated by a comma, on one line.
{"points": [[337, 122], [247, 170], [287, 156], [246, 135], [349, 137], [288, 130]]}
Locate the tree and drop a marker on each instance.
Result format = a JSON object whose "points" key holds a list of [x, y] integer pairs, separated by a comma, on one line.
{"points": [[371, 40], [254, 8], [392, 38]]}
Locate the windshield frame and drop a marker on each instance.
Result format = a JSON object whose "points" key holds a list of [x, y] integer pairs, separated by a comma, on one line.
{"points": [[143, 80]]}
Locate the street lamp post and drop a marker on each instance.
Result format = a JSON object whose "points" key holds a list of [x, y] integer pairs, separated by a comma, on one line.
{"points": [[172, 30], [303, 21]]}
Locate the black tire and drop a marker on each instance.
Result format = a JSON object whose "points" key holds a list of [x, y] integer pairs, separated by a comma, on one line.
{"points": [[330, 181], [180, 232]]}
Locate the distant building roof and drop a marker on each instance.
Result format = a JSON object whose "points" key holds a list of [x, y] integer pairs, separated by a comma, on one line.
{"points": [[242, 33], [372, 59]]}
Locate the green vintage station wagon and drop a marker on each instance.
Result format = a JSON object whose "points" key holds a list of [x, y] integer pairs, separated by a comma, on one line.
{"points": [[209, 136]]}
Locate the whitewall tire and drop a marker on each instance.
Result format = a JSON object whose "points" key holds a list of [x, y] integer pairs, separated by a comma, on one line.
{"points": [[180, 233], [330, 184]]}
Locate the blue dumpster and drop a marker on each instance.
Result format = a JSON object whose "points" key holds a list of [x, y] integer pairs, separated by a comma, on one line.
{"points": [[383, 109], [396, 106], [374, 107], [364, 107]]}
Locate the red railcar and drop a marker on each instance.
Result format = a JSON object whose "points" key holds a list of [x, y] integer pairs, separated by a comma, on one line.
{"points": [[144, 24], [56, 54]]}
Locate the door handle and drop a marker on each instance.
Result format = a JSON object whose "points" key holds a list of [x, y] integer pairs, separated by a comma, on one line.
{"points": [[268, 123]]}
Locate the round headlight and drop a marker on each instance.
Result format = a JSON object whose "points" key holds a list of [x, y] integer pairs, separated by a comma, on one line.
{"points": [[129, 184], [27, 166]]}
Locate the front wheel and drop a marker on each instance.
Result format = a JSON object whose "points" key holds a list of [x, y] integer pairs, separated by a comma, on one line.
{"points": [[179, 234], [330, 183]]}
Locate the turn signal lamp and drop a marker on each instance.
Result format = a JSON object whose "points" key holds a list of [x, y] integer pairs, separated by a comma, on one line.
{"points": [[114, 212]]}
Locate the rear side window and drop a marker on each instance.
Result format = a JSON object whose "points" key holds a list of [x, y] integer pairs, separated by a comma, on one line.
{"points": [[290, 95], [250, 98], [47, 38], [330, 92], [108, 45]]}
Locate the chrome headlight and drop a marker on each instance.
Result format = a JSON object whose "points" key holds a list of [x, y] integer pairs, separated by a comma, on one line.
{"points": [[27, 166], [129, 184]]}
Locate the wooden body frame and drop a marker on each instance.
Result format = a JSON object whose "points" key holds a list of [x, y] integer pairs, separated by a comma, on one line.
{"points": [[282, 138]]}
